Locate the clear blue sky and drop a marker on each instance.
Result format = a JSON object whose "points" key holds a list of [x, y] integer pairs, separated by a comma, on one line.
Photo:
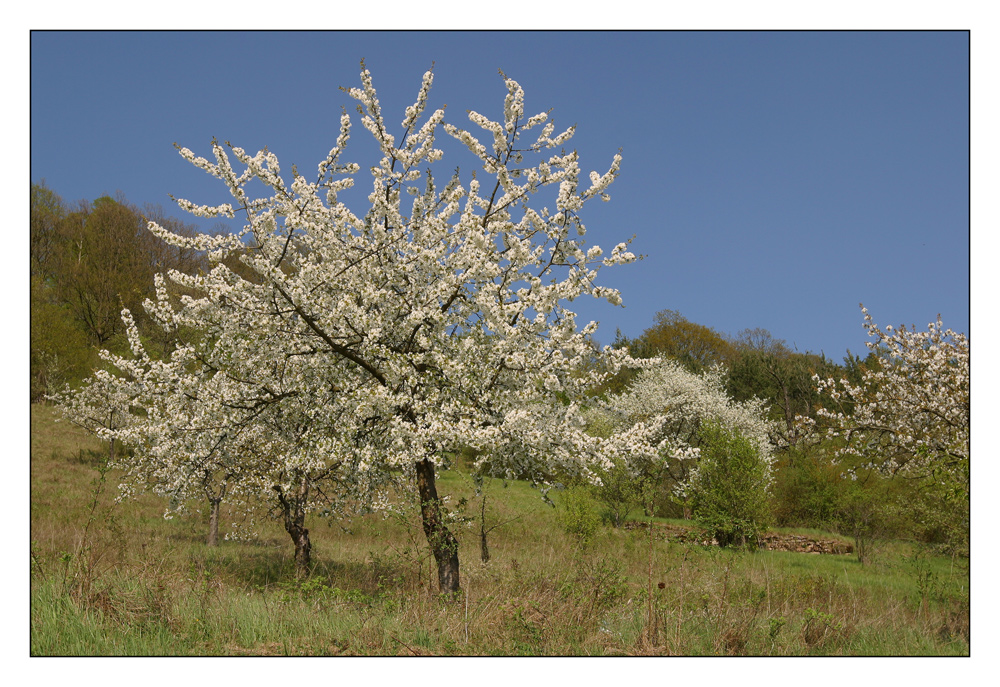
{"points": [[772, 180]]}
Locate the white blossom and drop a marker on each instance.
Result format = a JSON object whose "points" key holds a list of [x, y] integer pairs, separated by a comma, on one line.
{"points": [[909, 414]]}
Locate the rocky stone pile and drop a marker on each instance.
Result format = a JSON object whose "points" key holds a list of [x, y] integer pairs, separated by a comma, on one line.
{"points": [[803, 544], [771, 541]]}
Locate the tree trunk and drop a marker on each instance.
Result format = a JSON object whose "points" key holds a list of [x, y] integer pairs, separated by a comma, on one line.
{"points": [[484, 550], [213, 521], [300, 536], [294, 515], [442, 542], [789, 417]]}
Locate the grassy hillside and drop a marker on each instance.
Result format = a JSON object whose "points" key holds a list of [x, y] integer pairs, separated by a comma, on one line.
{"points": [[118, 579]]}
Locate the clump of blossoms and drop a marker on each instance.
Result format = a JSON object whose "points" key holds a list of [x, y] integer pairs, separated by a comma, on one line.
{"points": [[660, 416], [909, 415], [215, 421], [348, 350]]}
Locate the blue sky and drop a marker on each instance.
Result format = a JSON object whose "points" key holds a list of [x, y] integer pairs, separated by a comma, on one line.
{"points": [[772, 179]]}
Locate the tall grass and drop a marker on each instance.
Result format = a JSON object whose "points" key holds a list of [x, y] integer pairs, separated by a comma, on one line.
{"points": [[118, 579]]}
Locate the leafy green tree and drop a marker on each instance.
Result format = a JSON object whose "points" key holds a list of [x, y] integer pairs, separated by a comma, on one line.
{"points": [[47, 211], [730, 487], [695, 346], [90, 262], [58, 347], [59, 350], [99, 267], [871, 509], [763, 366], [623, 488]]}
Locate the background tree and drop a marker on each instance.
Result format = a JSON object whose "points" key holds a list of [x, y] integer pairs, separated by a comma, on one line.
{"points": [[762, 366], [86, 264], [60, 352], [909, 418], [163, 256], [47, 211], [100, 266], [693, 345]]}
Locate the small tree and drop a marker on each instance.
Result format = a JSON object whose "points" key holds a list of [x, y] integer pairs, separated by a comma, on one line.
{"points": [[730, 487], [866, 510], [620, 492], [659, 418]]}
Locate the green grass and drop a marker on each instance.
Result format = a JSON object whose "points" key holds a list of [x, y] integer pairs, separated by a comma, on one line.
{"points": [[119, 579]]}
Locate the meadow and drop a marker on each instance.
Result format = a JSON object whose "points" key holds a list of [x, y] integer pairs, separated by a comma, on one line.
{"points": [[118, 579]]}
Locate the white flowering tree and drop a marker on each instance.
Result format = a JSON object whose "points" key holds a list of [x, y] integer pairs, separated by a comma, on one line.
{"points": [[353, 348], [909, 414], [659, 419]]}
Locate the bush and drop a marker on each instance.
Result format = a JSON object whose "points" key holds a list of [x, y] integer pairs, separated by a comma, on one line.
{"points": [[578, 515], [806, 490], [943, 519], [731, 500]]}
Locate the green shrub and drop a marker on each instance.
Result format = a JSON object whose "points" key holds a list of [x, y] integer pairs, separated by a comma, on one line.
{"points": [[940, 517], [578, 515], [731, 500], [806, 490]]}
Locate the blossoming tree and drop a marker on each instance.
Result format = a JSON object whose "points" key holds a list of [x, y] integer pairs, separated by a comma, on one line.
{"points": [[909, 415], [351, 349], [659, 419]]}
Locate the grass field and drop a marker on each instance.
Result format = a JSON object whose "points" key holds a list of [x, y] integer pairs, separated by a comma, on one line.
{"points": [[119, 579]]}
